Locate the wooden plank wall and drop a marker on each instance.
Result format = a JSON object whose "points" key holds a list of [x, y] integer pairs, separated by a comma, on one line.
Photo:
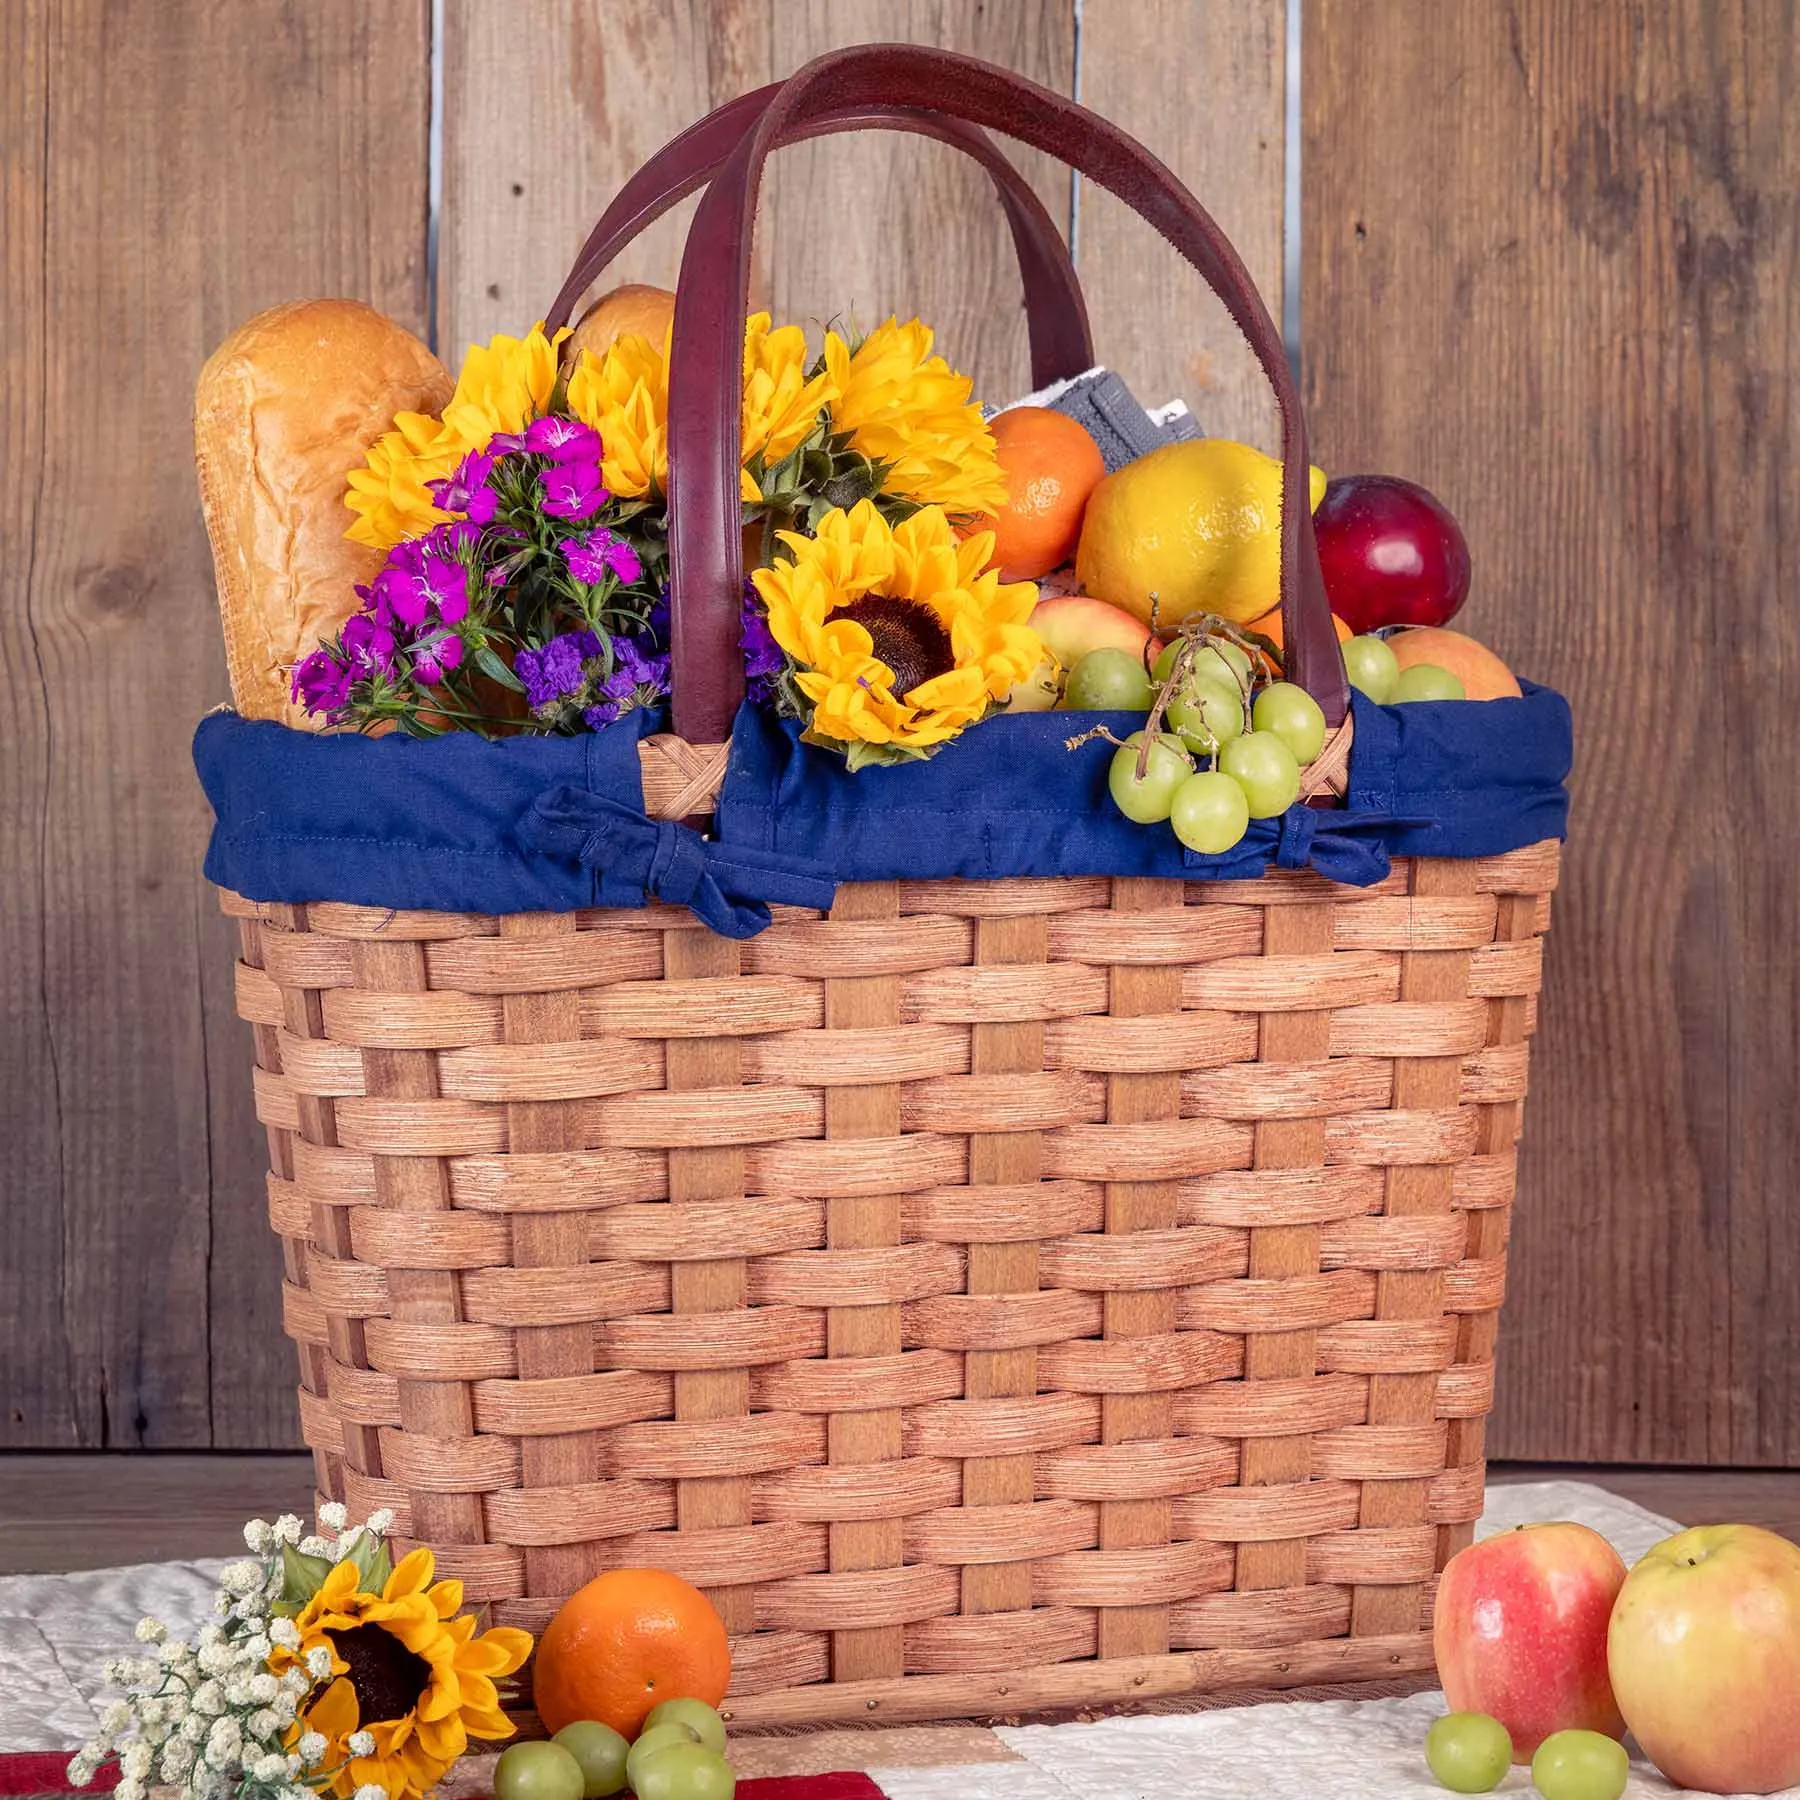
{"points": [[1551, 253], [169, 170]]}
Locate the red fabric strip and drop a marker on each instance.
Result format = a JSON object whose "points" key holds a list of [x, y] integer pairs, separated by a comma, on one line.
{"points": [[45, 1772]]}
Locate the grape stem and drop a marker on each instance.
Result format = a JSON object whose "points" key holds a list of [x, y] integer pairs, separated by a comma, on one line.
{"points": [[1197, 632]]}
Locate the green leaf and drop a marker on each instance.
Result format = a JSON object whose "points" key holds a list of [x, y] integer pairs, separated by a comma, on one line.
{"points": [[495, 668], [373, 1563], [303, 1576]]}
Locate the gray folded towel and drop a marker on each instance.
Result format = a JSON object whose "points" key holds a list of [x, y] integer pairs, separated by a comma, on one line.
{"points": [[1124, 430]]}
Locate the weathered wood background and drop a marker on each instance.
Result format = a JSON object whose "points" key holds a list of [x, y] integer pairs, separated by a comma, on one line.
{"points": [[1550, 266]]}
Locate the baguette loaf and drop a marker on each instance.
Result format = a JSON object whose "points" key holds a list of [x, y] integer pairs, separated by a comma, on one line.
{"points": [[285, 408]]}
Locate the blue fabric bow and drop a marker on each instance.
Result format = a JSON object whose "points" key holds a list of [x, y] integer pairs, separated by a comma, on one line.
{"points": [[726, 886], [1342, 846]]}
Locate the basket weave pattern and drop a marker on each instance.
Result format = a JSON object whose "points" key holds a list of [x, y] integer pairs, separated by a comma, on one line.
{"points": [[995, 1294]]}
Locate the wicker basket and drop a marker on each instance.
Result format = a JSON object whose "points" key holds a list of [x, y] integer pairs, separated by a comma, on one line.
{"points": [[985, 1279], [997, 1295]]}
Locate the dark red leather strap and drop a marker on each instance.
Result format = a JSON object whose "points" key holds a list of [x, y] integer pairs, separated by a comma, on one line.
{"points": [[705, 543], [1055, 313]]}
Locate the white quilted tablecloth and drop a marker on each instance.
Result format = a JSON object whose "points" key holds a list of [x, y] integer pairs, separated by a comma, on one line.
{"points": [[56, 1632]]}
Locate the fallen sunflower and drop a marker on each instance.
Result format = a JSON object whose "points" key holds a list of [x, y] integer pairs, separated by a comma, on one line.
{"points": [[410, 1676], [899, 636]]}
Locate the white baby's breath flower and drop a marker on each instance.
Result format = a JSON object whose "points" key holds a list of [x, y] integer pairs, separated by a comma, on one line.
{"points": [[318, 1662], [381, 1521], [177, 1759], [269, 1768], [258, 1536], [128, 1789], [222, 1604], [333, 1516], [255, 1648], [116, 1717], [361, 1743], [312, 1748], [240, 1577], [285, 1633], [297, 1681], [288, 1529], [315, 1546], [150, 1631], [372, 1790], [263, 1688], [210, 1634], [195, 1726], [135, 1761], [262, 1724], [82, 1768], [215, 1659], [208, 1700]]}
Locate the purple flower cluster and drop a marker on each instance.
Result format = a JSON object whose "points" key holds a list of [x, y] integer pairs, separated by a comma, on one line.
{"points": [[556, 671], [639, 678], [764, 659], [570, 670]]}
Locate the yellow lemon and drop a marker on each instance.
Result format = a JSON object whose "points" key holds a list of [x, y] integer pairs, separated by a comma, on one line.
{"points": [[1192, 527]]}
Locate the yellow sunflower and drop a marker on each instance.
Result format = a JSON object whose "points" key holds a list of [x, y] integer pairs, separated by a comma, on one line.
{"points": [[624, 395], [903, 407], [781, 406], [501, 387], [408, 1672], [902, 633]]}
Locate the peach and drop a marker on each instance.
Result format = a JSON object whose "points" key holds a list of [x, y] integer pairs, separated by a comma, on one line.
{"points": [[1482, 673]]}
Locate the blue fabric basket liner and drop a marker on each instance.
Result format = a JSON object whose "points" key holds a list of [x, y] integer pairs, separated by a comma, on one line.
{"points": [[536, 824]]}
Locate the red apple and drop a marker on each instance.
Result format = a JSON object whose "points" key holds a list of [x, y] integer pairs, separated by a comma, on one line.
{"points": [[1520, 1632], [1705, 1658], [1391, 552]]}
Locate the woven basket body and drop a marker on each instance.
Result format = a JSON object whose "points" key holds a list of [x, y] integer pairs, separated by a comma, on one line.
{"points": [[995, 1295]]}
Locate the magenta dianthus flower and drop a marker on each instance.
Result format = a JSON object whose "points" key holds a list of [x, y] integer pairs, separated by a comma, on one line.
{"points": [[572, 490], [599, 554]]}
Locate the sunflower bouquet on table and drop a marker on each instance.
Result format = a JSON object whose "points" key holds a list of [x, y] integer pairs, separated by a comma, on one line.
{"points": [[327, 1670], [526, 538]]}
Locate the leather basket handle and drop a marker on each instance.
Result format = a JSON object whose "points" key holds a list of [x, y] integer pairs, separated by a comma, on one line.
{"points": [[1055, 313], [706, 552]]}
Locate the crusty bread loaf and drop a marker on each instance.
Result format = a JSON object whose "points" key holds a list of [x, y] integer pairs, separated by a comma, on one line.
{"points": [[285, 408], [632, 310]]}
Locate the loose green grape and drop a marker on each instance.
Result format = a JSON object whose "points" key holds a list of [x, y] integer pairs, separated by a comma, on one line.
{"points": [[1372, 667], [1468, 1752], [1210, 813], [538, 1771], [696, 1715], [601, 1751], [1426, 681], [1147, 800], [1265, 768], [649, 1742], [1206, 715], [685, 1772], [1294, 716], [1107, 681], [1580, 1765]]}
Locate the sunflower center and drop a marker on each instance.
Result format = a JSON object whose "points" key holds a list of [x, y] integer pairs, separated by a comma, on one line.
{"points": [[389, 1679], [907, 637]]}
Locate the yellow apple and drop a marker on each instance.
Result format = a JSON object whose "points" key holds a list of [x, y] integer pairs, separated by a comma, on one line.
{"points": [[1704, 1652]]}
